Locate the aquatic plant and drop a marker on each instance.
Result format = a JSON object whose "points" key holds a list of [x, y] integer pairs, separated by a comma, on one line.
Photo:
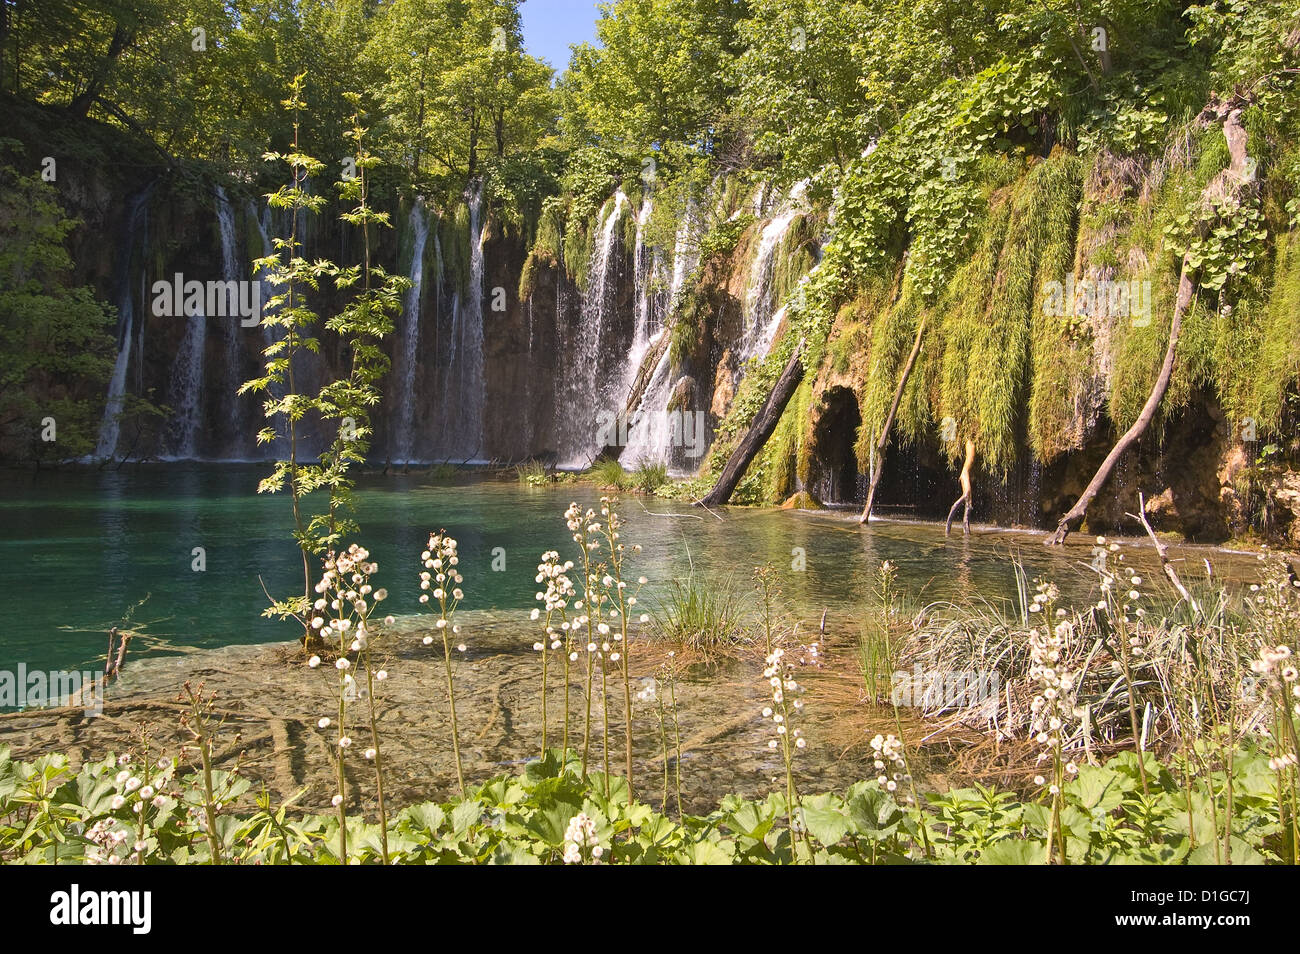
{"points": [[441, 579], [649, 477], [706, 616], [341, 613], [608, 472], [533, 473], [559, 591]]}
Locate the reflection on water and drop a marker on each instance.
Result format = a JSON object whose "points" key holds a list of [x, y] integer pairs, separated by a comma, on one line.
{"points": [[78, 548]]}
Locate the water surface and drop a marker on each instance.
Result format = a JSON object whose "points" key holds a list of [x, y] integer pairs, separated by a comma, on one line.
{"points": [[79, 547]]}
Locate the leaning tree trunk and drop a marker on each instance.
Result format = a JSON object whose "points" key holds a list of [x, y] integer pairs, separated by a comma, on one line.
{"points": [[759, 431], [965, 497], [1228, 184], [883, 441]]}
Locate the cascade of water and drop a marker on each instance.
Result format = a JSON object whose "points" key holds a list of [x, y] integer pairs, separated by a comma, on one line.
{"points": [[649, 434], [187, 388], [462, 394], [650, 293], [472, 393], [588, 381], [404, 372], [232, 272], [137, 223], [761, 320]]}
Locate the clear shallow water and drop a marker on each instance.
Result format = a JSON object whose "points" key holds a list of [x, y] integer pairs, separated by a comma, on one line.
{"points": [[77, 548]]}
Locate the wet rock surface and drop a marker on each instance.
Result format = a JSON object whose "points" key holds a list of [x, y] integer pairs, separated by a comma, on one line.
{"points": [[271, 702]]}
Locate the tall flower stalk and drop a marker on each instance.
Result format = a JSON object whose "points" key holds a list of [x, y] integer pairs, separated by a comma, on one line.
{"points": [[584, 528], [442, 580], [780, 679], [1051, 707], [555, 598], [623, 603], [341, 612]]}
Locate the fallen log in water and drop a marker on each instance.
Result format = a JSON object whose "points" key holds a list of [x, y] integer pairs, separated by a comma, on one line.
{"points": [[759, 431]]}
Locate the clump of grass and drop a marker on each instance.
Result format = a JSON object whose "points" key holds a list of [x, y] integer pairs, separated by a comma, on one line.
{"points": [[881, 640], [609, 473], [1128, 657], [533, 473], [649, 477], [703, 615]]}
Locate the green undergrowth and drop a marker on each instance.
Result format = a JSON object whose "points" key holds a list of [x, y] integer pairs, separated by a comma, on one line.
{"points": [[50, 813]]}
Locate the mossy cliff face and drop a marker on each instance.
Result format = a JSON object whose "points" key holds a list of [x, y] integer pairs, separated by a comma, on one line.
{"points": [[1040, 378], [1041, 349]]}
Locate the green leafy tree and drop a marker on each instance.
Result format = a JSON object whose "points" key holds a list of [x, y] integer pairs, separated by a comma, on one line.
{"points": [[56, 340]]}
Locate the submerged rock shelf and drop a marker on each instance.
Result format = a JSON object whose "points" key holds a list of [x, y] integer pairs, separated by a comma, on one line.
{"points": [[272, 701]]}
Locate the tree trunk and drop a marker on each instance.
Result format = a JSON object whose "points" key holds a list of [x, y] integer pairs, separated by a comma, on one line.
{"points": [[647, 369], [759, 431], [965, 497], [883, 441], [81, 103], [1227, 183]]}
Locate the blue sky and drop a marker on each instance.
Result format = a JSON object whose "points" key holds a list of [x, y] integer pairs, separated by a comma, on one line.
{"points": [[550, 26]]}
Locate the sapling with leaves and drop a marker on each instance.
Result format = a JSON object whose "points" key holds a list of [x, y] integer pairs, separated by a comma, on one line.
{"points": [[201, 721], [360, 325], [291, 321]]}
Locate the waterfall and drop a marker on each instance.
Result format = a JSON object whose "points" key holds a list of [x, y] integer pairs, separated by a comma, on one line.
{"points": [[232, 272], [649, 434], [463, 392], [136, 237], [650, 293], [585, 385], [404, 376], [187, 389], [472, 331], [761, 318]]}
